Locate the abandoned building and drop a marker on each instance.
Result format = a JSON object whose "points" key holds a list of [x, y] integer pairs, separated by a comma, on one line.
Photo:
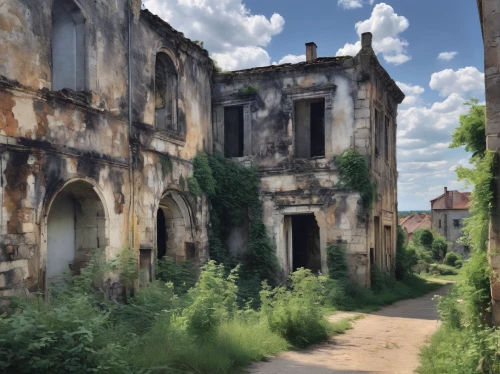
{"points": [[414, 222], [102, 108], [489, 16], [448, 211]]}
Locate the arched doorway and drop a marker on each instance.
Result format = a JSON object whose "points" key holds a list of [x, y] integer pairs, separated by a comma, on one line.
{"points": [[173, 225], [76, 226]]}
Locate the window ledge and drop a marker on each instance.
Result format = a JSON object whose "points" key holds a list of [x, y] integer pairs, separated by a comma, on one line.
{"points": [[171, 136]]}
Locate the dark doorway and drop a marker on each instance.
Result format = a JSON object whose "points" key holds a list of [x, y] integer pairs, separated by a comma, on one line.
{"points": [[233, 131], [305, 243], [318, 129], [161, 235]]}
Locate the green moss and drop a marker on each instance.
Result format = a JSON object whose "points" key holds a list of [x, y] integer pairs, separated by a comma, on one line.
{"points": [[248, 90]]}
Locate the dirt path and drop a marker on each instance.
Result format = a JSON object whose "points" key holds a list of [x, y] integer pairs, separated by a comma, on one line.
{"points": [[386, 341]]}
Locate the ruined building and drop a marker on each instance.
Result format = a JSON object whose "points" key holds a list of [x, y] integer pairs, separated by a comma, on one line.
{"points": [[489, 15], [102, 107]]}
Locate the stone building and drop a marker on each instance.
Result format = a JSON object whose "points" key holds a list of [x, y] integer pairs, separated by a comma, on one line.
{"points": [[489, 14], [102, 107], [296, 118], [448, 211]]}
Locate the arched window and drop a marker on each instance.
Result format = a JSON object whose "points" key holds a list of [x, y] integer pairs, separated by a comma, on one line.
{"points": [[165, 93], [68, 46]]}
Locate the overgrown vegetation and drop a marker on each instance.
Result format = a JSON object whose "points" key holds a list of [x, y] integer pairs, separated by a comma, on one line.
{"points": [[344, 294], [466, 342], [354, 175], [233, 191], [203, 330], [248, 90]]}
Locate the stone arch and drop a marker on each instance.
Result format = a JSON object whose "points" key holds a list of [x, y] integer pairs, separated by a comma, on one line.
{"points": [[174, 228], [75, 224]]}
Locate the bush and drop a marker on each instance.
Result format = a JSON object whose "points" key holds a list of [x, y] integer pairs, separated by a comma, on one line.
{"points": [[427, 238], [439, 248], [296, 314], [336, 262], [451, 258], [439, 269], [182, 276], [406, 257]]}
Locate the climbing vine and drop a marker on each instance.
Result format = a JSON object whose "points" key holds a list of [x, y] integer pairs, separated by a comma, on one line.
{"points": [[355, 175], [233, 191]]}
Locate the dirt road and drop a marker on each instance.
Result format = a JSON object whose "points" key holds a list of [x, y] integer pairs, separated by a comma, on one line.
{"points": [[386, 341]]}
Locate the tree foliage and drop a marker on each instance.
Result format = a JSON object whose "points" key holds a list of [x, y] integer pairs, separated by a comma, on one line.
{"points": [[472, 130]]}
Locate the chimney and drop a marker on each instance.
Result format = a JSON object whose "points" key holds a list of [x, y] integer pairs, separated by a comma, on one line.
{"points": [[447, 204], [366, 40], [311, 48]]}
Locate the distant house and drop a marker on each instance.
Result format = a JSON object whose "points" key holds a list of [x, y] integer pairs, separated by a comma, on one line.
{"points": [[448, 212], [415, 221]]}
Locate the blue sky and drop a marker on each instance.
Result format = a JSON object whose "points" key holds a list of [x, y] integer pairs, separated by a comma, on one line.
{"points": [[409, 35]]}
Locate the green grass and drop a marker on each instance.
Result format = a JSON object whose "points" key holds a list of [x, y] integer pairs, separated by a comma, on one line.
{"points": [[459, 276]]}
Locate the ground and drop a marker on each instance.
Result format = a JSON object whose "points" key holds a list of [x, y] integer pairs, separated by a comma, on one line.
{"points": [[386, 341]]}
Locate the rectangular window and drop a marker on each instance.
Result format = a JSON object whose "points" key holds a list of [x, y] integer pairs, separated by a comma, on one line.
{"points": [[456, 223], [310, 128], [233, 131], [386, 138], [378, 134], [439, 224]]}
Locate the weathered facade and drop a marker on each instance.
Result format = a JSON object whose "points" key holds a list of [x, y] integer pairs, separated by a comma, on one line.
{"points": [[290, 121], [448, 211], [489, 14], [102, 107], [83, 164]]}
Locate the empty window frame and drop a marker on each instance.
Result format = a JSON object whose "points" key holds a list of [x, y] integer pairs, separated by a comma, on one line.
{"points": [[439, 224], [68, 46], [387, 134], [233, 131], [165, 93], [456, 223], [310, 128], [378, 132]]}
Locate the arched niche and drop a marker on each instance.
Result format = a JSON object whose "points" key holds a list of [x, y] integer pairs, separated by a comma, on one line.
{"points": [[75, 226], [174, 229]]}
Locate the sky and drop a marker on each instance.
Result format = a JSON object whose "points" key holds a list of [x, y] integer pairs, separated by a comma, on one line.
{"points": [[431, 48]]}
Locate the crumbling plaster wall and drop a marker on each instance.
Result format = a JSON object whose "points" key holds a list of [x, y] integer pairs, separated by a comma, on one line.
{"points": [[49, 139]]}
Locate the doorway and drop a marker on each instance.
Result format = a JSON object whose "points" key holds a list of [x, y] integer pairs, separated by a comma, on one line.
{"points": [[306, 251]]}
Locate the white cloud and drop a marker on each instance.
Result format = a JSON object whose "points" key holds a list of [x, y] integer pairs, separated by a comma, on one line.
{"points": [[385, 25], [228, 29], [461, 81], [291, 59], [411, 92], [447, 56], [353, 4]]}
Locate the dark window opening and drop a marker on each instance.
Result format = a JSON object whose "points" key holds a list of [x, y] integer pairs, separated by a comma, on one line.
{"points": [[378, 132], [161, 235], [456, 223], [233, 131], [386, 138], [372, 256], [310, 128], [439, 225], [305, 243], [165, 93], [376, 228], [318, 129], [145, 266]]}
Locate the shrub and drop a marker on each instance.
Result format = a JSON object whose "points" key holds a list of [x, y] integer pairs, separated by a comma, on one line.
{"points": [[296, 314], [182, 276], [406, 257], [427, 238], [336, 261], [451, 258], [440, 269], [381, 280]]}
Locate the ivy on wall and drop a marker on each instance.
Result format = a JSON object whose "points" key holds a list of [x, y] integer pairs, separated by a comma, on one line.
{"points": [[354, 175], [233, 191]]}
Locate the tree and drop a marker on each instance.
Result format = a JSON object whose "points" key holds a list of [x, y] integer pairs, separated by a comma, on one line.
{"points": [[439, 248], [426, 239], [472, 130]]}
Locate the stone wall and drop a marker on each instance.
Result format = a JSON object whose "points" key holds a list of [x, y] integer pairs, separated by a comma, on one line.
{"points": [[84, 145], [489, 11]]}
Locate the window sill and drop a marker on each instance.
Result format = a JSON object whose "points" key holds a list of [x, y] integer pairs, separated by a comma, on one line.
{"points": [[171, 136]]}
